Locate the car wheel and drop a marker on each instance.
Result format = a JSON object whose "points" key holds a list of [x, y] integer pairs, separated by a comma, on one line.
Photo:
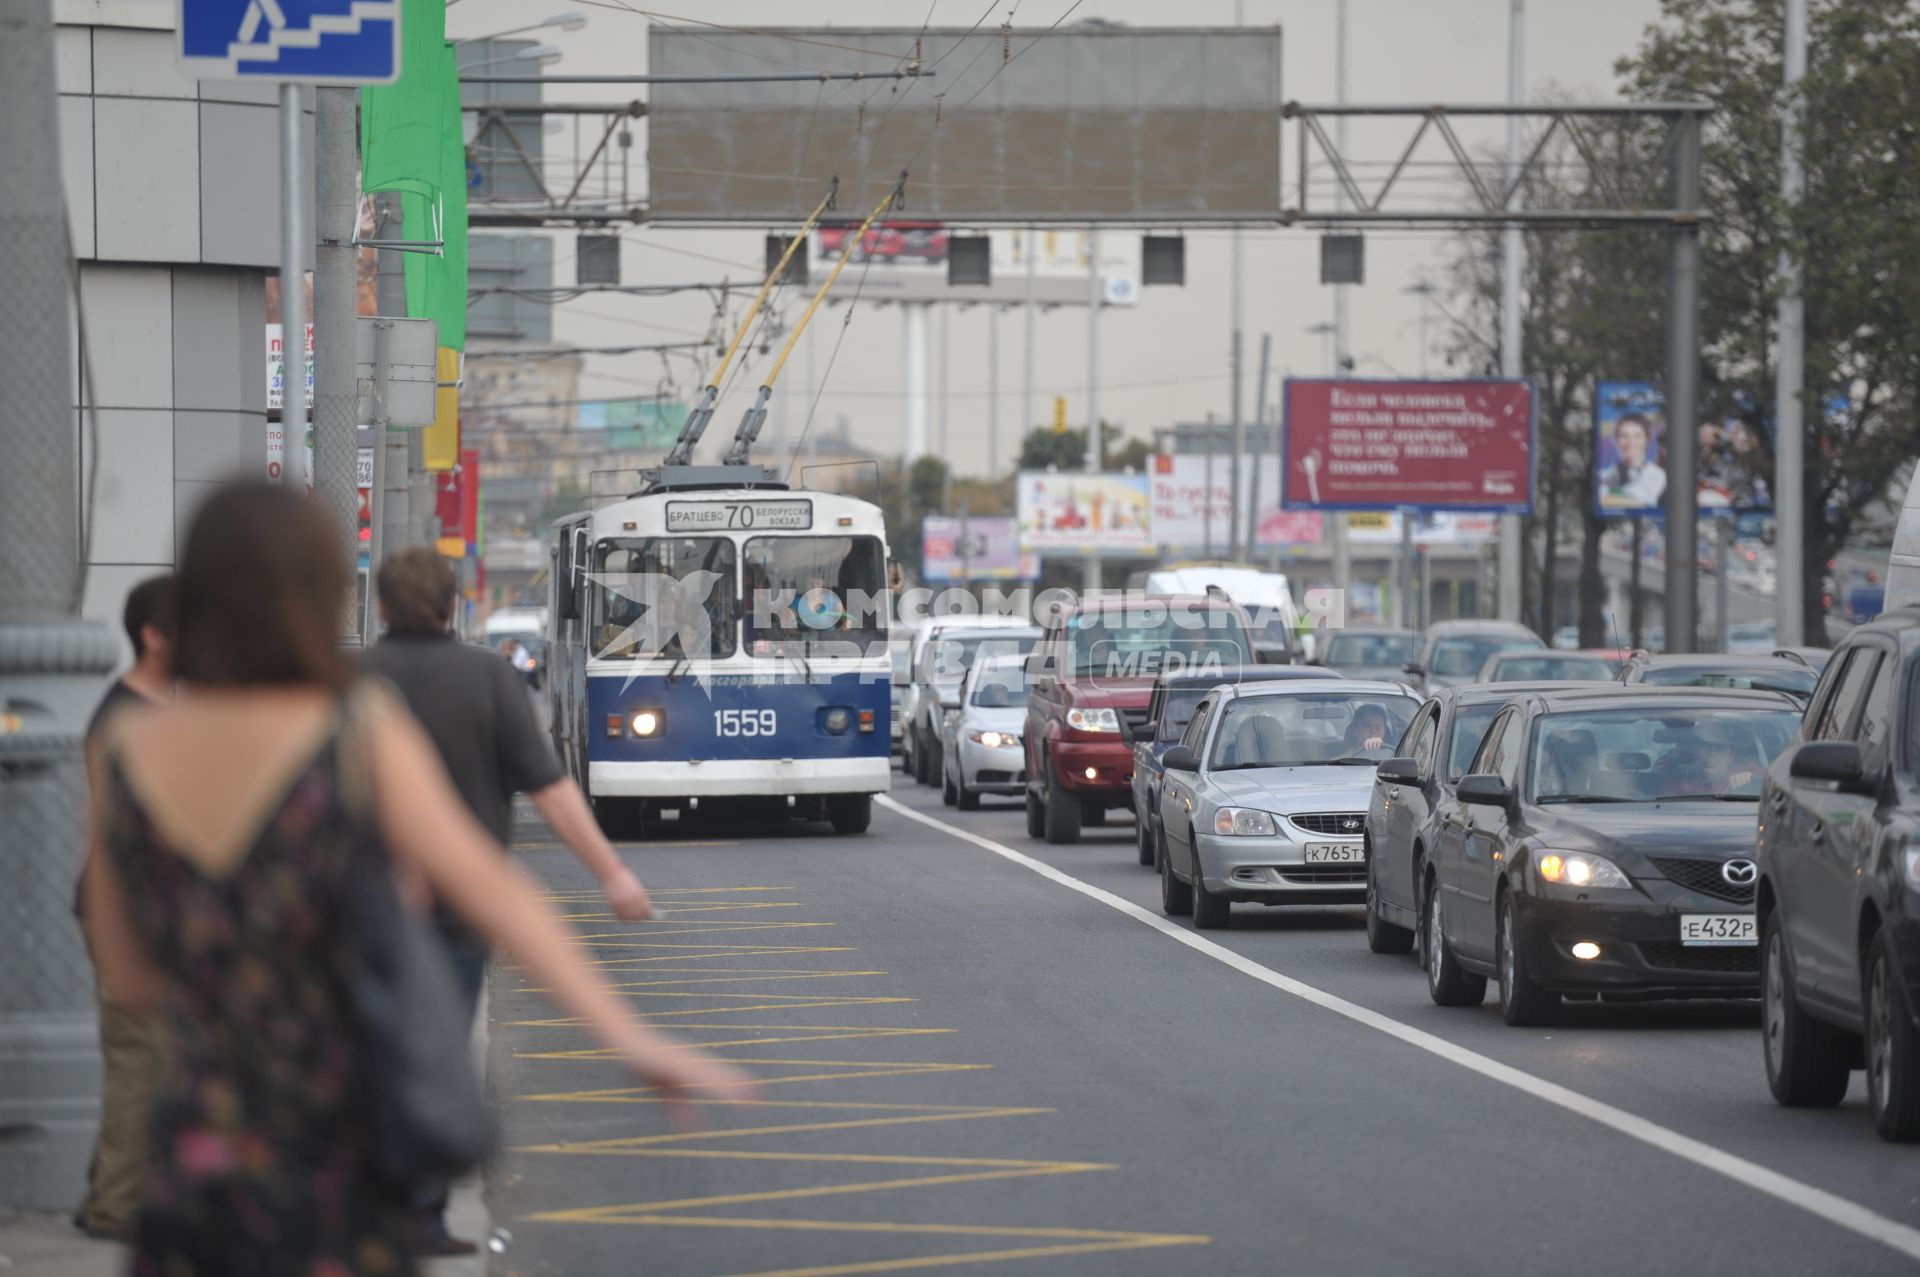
{"points": [[850, 813], [1063, 815], [1522, 1002], [1210, 912], [919, 765], [1447, 983], [1893, 1048], [1808, 1064], [1382, 936], [967, 799], [1036, 815], [1093, 814], [1176, 897], [1143, 838], [949, 794]]}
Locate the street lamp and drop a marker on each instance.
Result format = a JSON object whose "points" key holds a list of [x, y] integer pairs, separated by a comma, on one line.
{"points": [[540, 55], [1326, 332], [571, 20]]}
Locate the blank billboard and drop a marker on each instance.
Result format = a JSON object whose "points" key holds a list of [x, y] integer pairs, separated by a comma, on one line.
{"points": [[1150, 125]]}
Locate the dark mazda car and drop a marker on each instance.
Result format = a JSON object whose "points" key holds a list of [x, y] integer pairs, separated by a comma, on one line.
{"points": [[1839, 892], [1602, 843], [1410, 794]]}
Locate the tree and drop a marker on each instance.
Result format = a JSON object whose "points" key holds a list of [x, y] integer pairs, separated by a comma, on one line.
{"points": [[1067, 449]]}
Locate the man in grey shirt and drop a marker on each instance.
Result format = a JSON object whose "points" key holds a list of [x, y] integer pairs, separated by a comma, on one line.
{"points": [[475, 709]]}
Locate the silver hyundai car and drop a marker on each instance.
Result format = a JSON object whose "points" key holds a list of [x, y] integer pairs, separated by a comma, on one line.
{"points": [[980, 737], [1265, 797]]}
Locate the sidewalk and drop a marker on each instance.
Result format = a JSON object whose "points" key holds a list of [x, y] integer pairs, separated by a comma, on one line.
{"points": [[48, 1245]]}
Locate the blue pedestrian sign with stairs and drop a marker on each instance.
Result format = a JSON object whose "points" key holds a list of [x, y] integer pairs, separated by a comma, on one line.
{"points": [[308, 41]]}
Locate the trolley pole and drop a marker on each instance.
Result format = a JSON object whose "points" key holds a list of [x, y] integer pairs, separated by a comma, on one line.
{"points": [[51, 662]]}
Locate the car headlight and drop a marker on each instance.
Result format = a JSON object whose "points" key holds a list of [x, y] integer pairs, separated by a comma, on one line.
{"points": [[1579, 869], [1243, 821], [837, 720], [994, 740], [948, 717], [648, 722], [1093, 720]]}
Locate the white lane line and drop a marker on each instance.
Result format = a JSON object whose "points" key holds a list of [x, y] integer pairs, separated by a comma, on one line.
{"points": [[1816, 1201]]}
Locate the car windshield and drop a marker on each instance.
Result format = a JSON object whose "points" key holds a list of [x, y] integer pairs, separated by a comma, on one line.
{"points": [[1392, 650], [1154, 637], [813, 591], [663, 597], [1470, 723], [1651, 753], [1797, 679], [1000, 687], [1309, 729], [1464, 656], [945, 660], [1546, 667], [1181, 702]]}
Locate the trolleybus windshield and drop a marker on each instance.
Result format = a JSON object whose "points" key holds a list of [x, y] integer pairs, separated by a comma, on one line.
{"points": [[819, 591], [664, 597]]}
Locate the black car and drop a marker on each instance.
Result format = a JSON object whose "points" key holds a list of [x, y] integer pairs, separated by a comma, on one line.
{"points": [[1602, 843], [1768, 673], [1839, 889], [1453, 651], [1411, 791]]}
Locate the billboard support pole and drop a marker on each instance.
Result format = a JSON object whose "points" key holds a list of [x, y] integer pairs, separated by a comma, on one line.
{"points": [[1251, 538], [993, 391], [1722, 542], [1403, 580], [1341, 552], [1026, 359], [1512, 549], [1683, 388], [1092, 567], [1789, 438], [1239, 418]]}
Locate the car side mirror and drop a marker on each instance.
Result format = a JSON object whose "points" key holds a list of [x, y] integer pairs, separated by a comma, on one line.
{"points": [[1180, 759], [1485, 790], [1414, 668], [1399, 771], [1151, 731], [1834, 760]]}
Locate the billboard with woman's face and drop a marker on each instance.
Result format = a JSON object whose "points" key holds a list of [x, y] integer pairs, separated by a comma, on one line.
{"points": [[1630, 456]]}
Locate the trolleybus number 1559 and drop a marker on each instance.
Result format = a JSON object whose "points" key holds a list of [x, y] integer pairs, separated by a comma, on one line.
{"points": [[739, 516], [745, 722]]}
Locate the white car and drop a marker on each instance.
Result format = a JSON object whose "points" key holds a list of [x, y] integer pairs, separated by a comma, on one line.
{"points": [[943, 649], [980, 737]]}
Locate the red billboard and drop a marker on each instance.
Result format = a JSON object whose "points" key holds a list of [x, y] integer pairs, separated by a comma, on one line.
{"points": [[1359, 444]]}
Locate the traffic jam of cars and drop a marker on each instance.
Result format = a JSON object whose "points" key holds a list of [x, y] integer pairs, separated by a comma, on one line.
{"points": [[1549, 826]]}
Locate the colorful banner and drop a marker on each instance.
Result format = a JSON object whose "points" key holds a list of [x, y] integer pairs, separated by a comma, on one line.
{"points": [[973, 549], [1355, 444], [1070, 511], [1630, 456]]}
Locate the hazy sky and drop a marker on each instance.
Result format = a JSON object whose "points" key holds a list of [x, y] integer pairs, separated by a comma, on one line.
{"points": [[1162, 361]]}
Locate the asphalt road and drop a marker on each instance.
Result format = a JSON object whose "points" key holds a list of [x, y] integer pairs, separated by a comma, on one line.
{"points": [[984, 1052]]}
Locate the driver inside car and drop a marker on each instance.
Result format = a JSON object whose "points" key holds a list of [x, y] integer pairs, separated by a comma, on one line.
{"points": [[1367, 729], [1712, 768]]}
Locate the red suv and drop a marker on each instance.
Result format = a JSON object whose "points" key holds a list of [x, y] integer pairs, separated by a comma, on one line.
{"points": [[1093, 676]]}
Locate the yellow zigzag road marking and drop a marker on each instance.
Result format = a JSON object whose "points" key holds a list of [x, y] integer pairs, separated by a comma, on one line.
{"points": [[826, 1033], [619, 1095], [729, 979], [627, 1144], [663, 891], [667, 928]]}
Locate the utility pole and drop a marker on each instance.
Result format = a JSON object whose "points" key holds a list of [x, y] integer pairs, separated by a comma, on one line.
{"points": [[946, 452], [1093, 383], [1512, 549], [1026, 370], [1251, 538], [336, 196], [51, 662], [293, 295], [1236, 317], [913, 320], [1336, 520], [1789, 410], [393, 486], [1683, 386], [993, 392]]}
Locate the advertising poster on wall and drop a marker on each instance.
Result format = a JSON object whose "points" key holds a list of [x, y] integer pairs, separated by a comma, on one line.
{"points": [[1630, 455], [1358, 444], [1069, 511], [974, 549]]}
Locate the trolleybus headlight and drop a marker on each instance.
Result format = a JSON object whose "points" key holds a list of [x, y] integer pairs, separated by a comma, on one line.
{"points": [[648, 722], [837, 721]]}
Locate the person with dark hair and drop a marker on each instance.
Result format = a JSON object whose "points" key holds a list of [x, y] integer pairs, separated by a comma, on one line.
{"points": [[476, 713], [244, 818], [129, 1042]]}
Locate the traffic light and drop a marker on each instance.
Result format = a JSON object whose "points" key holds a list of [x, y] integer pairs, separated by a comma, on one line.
{"points": [[1059, 414]]}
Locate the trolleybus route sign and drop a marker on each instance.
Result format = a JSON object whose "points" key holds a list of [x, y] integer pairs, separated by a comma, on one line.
{"points": [[739, 516]]}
